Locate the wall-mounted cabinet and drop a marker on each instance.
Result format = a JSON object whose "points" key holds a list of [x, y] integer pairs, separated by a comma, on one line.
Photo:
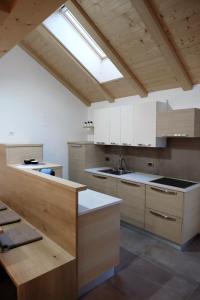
{"points": [[179, 123], [129, 125], [145, 119]]}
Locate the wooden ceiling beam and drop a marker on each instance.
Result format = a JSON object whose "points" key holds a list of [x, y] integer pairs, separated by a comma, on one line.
{"points": [[106, 46], [55, 74], [149, 17], [93, 80], [22, 19]]}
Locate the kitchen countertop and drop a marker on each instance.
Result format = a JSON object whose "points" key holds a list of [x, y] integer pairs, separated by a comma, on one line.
{"points": [[89, 201], [43, 165], [143, 178]]}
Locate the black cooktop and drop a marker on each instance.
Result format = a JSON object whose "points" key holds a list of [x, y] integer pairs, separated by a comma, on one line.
{"points": [[174, 182]]}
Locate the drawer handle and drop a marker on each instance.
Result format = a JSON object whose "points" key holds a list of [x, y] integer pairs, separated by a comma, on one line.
{"points": [[100, 143], [113, 143], [144, 145], [162, 216], [131, 183], [101, 177], [76, 146], [163, 191]]}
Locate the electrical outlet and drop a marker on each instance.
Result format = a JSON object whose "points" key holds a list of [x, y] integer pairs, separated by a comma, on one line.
{"points": [[107, 158], [150, 164]]}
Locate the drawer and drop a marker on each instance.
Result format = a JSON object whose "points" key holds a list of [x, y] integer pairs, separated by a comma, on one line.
{"points": [[165, 200], [76, 152], [133, 204], [164, 225], [103, 184]]}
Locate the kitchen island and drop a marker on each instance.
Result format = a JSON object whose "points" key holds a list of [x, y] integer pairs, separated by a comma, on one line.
{"points": [[98, 238]]}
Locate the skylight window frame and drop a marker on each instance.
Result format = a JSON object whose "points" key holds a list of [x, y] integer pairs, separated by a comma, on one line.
{"points": [[65, 12]]}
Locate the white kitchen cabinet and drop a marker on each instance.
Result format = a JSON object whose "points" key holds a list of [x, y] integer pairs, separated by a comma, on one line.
{"points": [[115, 125], [127, 136], [145, 118], [101, 126]]}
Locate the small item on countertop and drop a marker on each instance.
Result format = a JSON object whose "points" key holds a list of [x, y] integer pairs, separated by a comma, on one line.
{"points": [[31, 161], [2, 206], [8, 217], [47, 171], [19, 236]]}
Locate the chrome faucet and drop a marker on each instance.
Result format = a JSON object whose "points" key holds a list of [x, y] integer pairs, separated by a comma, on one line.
{"points": [[121, 162]]}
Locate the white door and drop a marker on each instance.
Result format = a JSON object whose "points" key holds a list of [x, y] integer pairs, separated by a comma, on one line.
{"points": [[101, 126], [145, 124], [127, 137], [115, 124]]}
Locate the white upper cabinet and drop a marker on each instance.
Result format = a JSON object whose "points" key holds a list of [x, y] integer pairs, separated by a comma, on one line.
{"points": [[145, 118], [127, 113], [101, 126], [115, 125]]}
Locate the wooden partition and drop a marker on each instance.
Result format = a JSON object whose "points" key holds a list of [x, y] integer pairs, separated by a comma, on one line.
{"points": [[47, 202]]}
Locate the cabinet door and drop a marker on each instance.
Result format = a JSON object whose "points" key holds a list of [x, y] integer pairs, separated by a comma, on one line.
{"points": [[101, 126], [127, 125], [103, 184], [133, 202], [115, 125], [145, 124]]}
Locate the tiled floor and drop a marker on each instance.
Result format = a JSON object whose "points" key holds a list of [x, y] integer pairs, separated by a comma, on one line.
{"points": [[151, 269]]}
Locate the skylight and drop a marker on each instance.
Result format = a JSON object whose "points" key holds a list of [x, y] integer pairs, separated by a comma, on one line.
{"points": [[73, 36], [66, 12]]}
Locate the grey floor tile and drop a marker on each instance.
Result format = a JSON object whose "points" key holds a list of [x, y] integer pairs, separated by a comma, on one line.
{"points": [[126, 258], [175, 289], [181, 263], [195, 295]]}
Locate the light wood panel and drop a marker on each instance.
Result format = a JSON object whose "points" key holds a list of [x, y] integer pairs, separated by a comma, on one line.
{"points": [[47, 202], [98, 243], [133, 202], [51, 52], [181, 22], [150, 19], [164, 200], [17, 153], [121, 25], [23, 18], [40, 269], [120, 88], [107, 47]]}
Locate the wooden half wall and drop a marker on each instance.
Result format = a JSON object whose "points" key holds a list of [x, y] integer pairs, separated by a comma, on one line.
{"points": [[49, 203]]}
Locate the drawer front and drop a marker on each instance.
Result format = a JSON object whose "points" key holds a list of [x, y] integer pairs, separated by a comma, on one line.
{"points": [[164, 225], [103, 184], [164, 200], [76, 152], [133, 204]]}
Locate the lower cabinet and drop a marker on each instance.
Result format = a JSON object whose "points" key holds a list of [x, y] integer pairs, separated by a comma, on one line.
{"points": [[133, 204], [102, 183], [163, 225]]}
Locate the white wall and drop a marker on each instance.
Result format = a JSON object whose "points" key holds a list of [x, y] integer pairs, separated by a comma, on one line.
{"points": [[36, 108], [177, 99]]}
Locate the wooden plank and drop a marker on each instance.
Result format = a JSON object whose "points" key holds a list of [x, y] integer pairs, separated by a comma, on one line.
{"points": [[154, 26], [24, 17], [106, 46], [54, 73]]}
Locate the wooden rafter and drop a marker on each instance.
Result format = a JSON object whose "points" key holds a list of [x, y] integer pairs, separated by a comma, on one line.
{"points": [[22, 19], [106, 46], [54, 73], [150, 19], [73, 58]]}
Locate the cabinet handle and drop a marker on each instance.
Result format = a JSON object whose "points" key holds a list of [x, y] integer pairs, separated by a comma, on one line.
{"points": [[144, 145], [113, 143], [100, 143], [76, 146], [126, 144], [163, 191], [99, 176], [131, 183], [162, 216]]}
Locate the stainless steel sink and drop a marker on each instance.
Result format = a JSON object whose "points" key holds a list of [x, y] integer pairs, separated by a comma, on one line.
{"points": [[115, 171]]}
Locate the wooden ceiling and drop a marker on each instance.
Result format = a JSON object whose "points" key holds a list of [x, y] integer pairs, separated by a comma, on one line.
{"points": [[154, 43]]}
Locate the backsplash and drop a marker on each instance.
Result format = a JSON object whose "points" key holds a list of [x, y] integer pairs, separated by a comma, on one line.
{"points": [[180, 159]]}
